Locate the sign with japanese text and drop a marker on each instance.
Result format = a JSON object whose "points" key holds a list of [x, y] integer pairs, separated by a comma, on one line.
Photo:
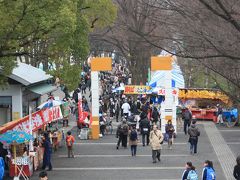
{"points": [[39, 119], [162, 92], [136, 89]]}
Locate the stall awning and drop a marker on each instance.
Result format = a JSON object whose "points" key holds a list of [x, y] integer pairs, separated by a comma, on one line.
{"points": [[42, 88]]}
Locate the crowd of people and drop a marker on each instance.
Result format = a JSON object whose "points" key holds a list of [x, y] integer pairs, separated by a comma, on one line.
{"points": [[138, 116]]}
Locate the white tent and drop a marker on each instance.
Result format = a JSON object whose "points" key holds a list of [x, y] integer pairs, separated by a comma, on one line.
{"points": [[177, 78]]}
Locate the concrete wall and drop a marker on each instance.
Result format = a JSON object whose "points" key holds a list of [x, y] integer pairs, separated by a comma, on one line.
{"points": [[16, 92]]}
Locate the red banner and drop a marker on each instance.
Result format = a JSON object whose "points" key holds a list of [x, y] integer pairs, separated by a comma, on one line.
{"points": [[39, 118], [82, 115]]}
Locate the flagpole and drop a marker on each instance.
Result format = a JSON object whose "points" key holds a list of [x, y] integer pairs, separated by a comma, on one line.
{"points": [[30, 128]]}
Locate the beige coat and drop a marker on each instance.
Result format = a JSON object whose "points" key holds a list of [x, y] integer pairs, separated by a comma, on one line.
{"points": [[155, 138], [132, 142]]}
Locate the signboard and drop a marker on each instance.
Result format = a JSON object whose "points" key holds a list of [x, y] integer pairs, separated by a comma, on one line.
{"points": [[39, 118], [162, 92], [136, 89]]}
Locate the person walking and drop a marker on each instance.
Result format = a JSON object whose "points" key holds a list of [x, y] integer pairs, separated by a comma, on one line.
{"points": [[126, 108], [122, 133], [133, 140], [208, 172], [193, 132], [69, 142], [219, 114], [155, 139], [187, 117], [189, 173], [144, 128], [169, 129], [117, 107], [179, 117], [102, 123], [236, 171], [155, 115], [125, 134], [112, 109], [47, 152]]}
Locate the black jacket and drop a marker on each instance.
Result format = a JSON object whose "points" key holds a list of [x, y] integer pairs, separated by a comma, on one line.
{"points": [[236, 172], [144, 123]]}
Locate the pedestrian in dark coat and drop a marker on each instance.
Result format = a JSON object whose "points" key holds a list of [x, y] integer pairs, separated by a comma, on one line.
{"points": [[236, 171], [193, 132], [169, 129], [47, 152], [187, 117], [155, 115], [144, 128]]}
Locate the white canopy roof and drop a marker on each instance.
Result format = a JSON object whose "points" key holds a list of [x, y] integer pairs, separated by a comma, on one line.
{"points": [[27, 74]]}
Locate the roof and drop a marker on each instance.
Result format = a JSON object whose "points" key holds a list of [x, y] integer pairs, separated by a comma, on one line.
{"points": [[177, 77], [27, 74], [42, 88]]}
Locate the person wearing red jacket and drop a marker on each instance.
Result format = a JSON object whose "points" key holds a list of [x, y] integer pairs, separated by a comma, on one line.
{"points": [[69, 141]]}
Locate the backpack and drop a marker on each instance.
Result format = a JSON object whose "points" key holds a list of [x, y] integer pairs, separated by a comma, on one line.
{"points": [[210, 174], [133, 136], [69, 140], [187, 115], [192, 175]]}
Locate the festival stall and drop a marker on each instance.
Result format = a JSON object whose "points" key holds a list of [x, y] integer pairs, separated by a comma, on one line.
{"points": [[37, 124], [20, 162], [202, 102]]}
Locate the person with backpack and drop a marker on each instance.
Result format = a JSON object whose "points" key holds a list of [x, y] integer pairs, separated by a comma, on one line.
{"points": [[69, 142], [193, 132], [133, 140], [189, 173], [144, 126], [236, 171], [122, 133], [187, 117], [155, 139], [169, 129], [208, 172], [125, 134]]}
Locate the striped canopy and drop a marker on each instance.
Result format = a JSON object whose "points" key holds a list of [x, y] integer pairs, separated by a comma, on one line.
{"points": [[177, 78]]}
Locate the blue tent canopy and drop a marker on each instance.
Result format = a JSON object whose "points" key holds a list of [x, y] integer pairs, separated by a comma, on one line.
{"points": [[177, 78]]}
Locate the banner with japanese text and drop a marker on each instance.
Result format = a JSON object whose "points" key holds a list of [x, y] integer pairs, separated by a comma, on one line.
{"points": [[39, 118], [136, 89]]}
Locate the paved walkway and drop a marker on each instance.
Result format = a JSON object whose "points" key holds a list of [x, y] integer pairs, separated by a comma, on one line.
{"points": [[222, 150], [101, 161]]}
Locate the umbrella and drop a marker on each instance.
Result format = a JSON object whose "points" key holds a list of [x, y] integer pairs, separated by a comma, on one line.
{"points": [[18, 137], [50, 103], [15, 137]]}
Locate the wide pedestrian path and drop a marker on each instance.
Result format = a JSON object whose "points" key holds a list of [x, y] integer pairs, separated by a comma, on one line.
{"points": [[99, 160], [222, 150]]}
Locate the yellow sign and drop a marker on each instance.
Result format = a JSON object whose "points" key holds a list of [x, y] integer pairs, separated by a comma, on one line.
{"points": [[101, 64], [161, 63], [136, 89], [203, 94]]}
